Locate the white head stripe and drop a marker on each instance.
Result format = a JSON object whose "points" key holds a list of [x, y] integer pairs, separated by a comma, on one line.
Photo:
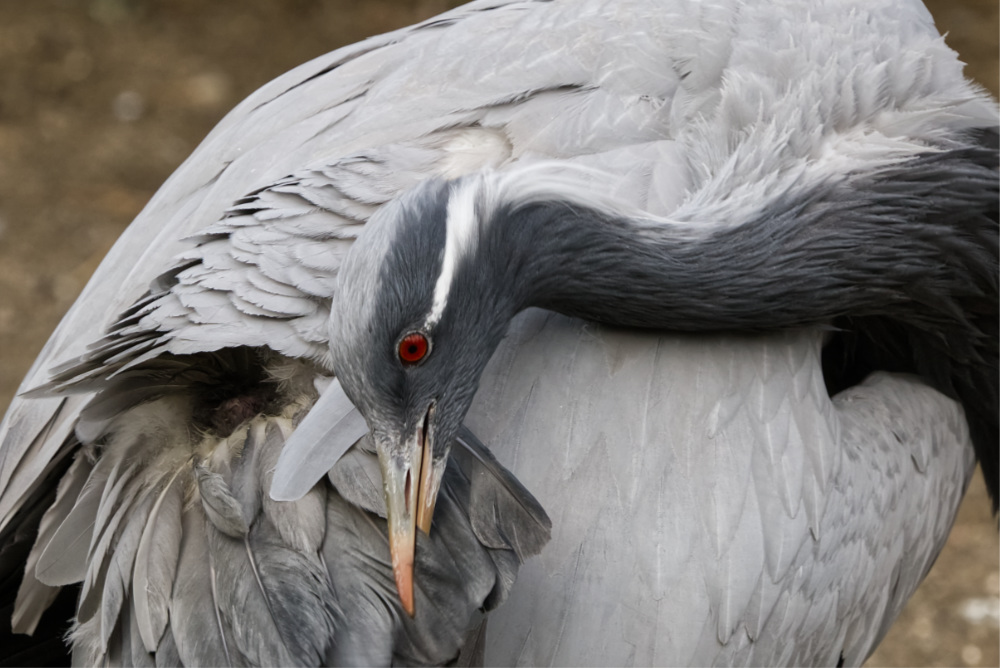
{"points": [[462, 227]]}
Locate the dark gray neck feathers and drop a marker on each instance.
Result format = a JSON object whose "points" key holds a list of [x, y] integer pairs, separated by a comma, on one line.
{"points": [[915, 241]]}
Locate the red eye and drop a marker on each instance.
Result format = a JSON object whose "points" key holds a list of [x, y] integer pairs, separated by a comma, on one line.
{"points": [[413, 348]]}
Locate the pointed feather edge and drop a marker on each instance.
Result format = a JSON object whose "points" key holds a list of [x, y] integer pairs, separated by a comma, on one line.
{"points": [[147, 626], [471, 443], [316, 444], [31, 602]]}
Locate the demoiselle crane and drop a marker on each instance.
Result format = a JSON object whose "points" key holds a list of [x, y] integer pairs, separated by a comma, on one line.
{"points": [[808, 195]]}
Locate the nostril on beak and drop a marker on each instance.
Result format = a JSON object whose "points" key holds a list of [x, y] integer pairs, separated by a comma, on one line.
{"points": [[406, 493], [424, 425]]}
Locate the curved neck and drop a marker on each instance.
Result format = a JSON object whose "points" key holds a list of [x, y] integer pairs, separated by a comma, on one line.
{"points": [[859, 247]]}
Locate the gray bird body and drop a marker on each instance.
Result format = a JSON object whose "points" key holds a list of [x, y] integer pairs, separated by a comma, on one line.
{"points": [[713, 546], [709, 501]]}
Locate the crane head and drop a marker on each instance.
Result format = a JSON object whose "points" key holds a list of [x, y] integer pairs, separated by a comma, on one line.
{"points": [[413, 324]]}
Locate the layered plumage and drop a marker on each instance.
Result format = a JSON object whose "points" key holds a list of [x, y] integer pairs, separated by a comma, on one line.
{"points": [[710, 501], [182, 553]]}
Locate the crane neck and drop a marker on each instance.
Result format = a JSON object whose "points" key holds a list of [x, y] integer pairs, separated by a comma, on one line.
{"points": [[855, 247]]}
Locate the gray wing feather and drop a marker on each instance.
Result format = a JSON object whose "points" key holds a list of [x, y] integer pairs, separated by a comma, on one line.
{"points": [[194, 627], [167, 655], [332, 426], [298, 522], [243, 604], [118, 581], [34, 449], [112, 511], [356, 554], [34, 596], [260, 568], [221, 507], [506, 514], [156, 564], [357, 477], [63, 560], [284, 549], [140, 657]]}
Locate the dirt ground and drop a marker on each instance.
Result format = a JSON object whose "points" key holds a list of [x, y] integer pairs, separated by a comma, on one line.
{"points": [[100, 100]]}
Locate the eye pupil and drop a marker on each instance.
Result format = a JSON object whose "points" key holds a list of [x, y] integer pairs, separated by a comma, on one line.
{"points": [[413, 348]]}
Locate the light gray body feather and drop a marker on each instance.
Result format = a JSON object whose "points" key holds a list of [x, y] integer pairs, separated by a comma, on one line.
{"points": [[744, 517]]}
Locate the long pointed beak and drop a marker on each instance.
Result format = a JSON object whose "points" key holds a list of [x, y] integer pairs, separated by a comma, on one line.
{"points": [[411, 482]]}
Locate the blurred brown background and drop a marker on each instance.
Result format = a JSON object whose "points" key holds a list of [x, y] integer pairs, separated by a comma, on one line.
{"points": [[100, 100]]}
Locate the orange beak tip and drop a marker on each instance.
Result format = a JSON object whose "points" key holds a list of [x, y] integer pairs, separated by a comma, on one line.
{"points": [[402, 572], [404, 586]]}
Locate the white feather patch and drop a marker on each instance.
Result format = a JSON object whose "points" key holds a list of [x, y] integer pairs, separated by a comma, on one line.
{"points": [[462, 225]]}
